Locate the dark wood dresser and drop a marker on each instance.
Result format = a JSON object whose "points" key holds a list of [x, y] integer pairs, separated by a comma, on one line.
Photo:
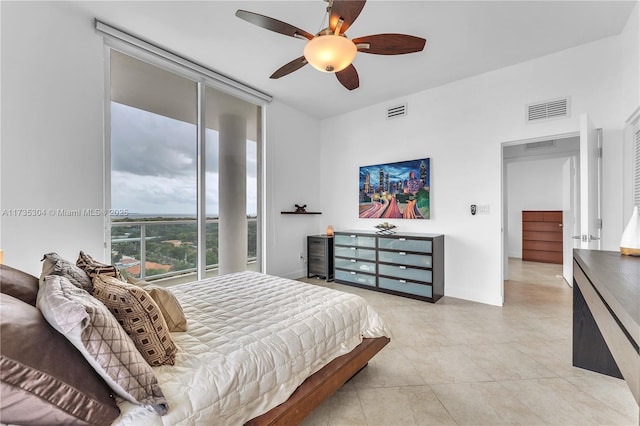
{"points": [[542, 236], [606, 315], [320, 256]]}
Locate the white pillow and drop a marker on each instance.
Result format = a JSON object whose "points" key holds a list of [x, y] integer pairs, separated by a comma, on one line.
{"points": [[91, 328]]}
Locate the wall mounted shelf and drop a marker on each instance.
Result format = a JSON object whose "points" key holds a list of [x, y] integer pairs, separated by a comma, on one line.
{"points": [[300, 213]]}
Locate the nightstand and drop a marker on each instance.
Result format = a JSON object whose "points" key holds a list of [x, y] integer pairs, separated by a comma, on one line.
{"points": [[320, 257]]}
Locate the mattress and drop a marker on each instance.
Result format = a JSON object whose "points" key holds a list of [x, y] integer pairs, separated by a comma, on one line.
{"points": [[252, 339]]}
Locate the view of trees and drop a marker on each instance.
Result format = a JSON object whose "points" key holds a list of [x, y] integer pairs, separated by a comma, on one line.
{"points": [[170, 244]]}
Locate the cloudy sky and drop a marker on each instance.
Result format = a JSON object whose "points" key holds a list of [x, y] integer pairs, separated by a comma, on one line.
{"points": [[153, 165]]}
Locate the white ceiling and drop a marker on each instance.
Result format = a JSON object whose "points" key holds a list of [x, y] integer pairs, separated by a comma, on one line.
{"points": [[464, 38]]}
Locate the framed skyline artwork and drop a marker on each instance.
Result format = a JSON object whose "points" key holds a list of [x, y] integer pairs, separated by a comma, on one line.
{"points": [[396, 190]]}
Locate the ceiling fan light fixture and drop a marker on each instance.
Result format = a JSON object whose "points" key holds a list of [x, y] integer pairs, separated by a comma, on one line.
{"points": [[330, 52]]}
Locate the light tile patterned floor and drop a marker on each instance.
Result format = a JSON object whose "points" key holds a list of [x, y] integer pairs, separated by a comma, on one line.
{"points": [[465, 363]]}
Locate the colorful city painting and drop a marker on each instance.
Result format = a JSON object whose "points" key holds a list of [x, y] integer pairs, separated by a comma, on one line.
{"points": [[396, 190]]}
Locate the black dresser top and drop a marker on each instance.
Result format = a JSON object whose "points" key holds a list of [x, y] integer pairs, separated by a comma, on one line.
{"points": [[617, 279], [396, 234]]}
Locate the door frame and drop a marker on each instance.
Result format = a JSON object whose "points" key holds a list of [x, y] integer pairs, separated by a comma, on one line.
{"points": [[504, 200], [570, 204]]}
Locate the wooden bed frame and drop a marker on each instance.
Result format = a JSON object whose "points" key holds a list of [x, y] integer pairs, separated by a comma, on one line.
{"points": [[320, 385]]}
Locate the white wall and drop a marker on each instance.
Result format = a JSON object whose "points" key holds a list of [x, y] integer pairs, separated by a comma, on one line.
{"points": [[631, 62], [293, 177], [52, 102], [532, 185], [461, 126], [52, 144]]}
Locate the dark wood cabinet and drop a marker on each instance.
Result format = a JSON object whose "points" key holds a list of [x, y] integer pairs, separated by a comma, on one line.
{"points": [[542, 236], [320, 256], [410, 264]]}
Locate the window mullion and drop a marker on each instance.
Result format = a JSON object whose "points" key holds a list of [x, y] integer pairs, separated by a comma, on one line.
{"points": [[636, 179], [201, 184]]}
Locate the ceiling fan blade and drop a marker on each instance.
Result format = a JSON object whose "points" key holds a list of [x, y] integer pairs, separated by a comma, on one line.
{"points": [[389, 44], [348, 77], [347, 10], [292, 66], [273, 24]]}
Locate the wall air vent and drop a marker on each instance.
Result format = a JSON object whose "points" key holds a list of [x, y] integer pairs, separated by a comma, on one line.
{"points": [[557, 108], [538, 145], [397, 111]]}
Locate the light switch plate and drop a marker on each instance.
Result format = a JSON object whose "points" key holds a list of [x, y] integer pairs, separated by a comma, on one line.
{"points": [[483, 208]]}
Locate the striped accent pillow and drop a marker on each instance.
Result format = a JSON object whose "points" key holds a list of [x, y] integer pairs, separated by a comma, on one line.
{"points": [[92, 267], [139, 316]]}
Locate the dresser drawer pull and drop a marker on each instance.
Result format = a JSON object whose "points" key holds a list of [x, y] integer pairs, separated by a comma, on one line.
{"points": [[402, 267], [352, 273], [402, 239], [352, 248], [402, 281], [353, 260], [401, 253], [353, 236]]}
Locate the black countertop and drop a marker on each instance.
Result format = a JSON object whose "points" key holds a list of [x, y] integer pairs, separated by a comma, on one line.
{"points": [[392, 234], [617, 279]]}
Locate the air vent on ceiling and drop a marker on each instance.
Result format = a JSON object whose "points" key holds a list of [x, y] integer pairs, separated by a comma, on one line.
{"points": [[551, 109], [397, 111], [538, 145]]}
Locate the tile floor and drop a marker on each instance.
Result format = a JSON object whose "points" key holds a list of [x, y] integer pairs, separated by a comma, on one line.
{"points": [[466, 363]]}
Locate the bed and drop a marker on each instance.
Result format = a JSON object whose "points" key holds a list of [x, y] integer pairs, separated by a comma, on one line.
{"points": [[260, 350]]}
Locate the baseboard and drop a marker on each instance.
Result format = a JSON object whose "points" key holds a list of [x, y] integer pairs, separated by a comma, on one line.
{"points": [[472, 296]]}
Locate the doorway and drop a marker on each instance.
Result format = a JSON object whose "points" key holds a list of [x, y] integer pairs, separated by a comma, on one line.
{"points": [[540, 175], [578, 180]]}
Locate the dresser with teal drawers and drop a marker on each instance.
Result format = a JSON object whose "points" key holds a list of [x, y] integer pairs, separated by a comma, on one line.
{"points": [[409, 264]]}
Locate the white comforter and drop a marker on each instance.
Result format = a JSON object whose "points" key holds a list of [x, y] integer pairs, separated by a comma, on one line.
{"points": [[252, 339]]}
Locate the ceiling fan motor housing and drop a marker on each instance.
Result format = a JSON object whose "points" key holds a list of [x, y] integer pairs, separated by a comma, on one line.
{"points": [[328, 52]]}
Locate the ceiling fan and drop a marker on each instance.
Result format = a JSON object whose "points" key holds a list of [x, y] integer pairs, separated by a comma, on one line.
{"points": [[330, 50]]}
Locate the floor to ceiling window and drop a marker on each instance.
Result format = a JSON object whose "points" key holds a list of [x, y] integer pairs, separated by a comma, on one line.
{"points": [[155, 178]]}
